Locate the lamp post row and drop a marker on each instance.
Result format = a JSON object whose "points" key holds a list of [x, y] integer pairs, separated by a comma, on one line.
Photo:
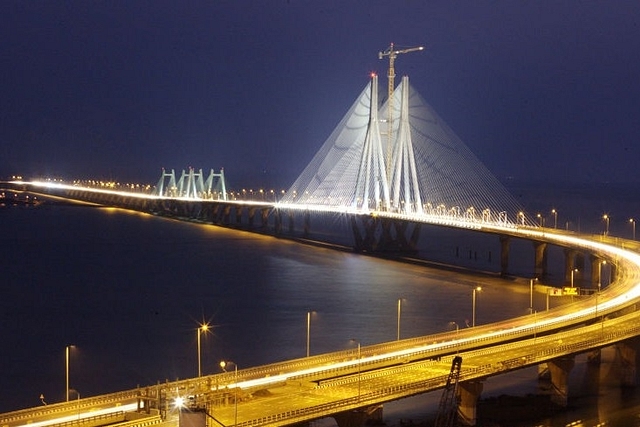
{"points": [[606, 218], [203, 328]]}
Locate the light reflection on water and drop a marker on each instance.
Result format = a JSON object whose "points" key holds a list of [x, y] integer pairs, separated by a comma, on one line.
{"points": [[128, 291]]}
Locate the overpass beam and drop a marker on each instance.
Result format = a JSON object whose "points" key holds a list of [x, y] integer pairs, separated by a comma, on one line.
{"points": [[505, 242], [469, 394], [360, 417], [540, 261], [559, 369]]}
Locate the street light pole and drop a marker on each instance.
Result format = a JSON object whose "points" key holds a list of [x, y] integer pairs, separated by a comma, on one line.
{"points": [[574, 270], [308, 331], [201, 328], [633, 227], [600, 274], [606, 220], [67, 371], [531, 293], [555, 218], [66, 351], [473, 311]]}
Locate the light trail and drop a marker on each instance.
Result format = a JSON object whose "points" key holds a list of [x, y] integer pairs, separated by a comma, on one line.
{"points": [[83, 415], [583, 313]]}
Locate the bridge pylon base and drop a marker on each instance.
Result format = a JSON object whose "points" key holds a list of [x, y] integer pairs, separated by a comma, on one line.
{"points": [[626, 353], [559, 370], [469, 392], [384, 235]]}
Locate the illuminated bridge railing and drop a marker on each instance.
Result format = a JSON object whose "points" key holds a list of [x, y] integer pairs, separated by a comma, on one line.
{"points": [[98, 420], [54, 409]]}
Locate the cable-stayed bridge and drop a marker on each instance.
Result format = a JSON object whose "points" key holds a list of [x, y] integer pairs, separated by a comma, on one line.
{"points": [[430, 170], [427, 177], [382, 173]]}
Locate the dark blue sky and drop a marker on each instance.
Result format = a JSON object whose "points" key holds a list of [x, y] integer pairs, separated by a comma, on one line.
{"points": [[539, 90]]}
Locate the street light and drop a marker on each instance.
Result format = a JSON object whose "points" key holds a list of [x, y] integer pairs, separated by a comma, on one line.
{"points": [[202, 328], [540, 219], [473, 312], [606, 221], [633, 227], [223, 365], [67, 349], [555, 218]]}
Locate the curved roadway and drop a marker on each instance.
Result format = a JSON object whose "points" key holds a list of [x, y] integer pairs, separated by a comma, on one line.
{"points": [[310, 388]]}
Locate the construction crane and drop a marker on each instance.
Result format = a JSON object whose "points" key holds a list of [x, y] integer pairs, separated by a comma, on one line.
{"points": [[392, 54], [448, 409]]}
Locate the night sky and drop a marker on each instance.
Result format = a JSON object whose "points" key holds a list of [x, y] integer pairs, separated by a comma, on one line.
{"points": [[539, 90]]}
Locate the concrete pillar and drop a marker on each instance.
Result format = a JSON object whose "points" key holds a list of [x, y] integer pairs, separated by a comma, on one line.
{"points": [[626, 353], [591, 379], [277, 221], [540, 261], [238, 214], [469, 393], [359, 417], [559, 370], [291, 222], [252, 216], [307, 223], [504, 255]]}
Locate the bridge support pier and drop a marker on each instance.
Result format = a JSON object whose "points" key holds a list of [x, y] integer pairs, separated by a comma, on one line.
{"points": [[540, 261], [469, 393], [559, 370], [573, 260], [359, 417], [504, 255], [626, 353]]}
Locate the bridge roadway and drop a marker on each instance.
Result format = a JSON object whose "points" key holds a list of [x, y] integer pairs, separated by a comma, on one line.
{"points": [[325, 385]]}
